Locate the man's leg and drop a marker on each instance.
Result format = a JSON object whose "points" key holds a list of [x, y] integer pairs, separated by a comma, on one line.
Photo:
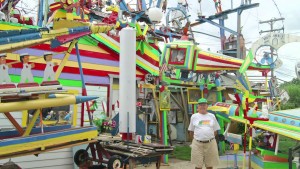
{"points": [[211, 158], [197, 154]]}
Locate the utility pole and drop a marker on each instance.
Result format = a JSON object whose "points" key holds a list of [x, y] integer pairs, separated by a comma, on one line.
{"points": [[271, 22]]}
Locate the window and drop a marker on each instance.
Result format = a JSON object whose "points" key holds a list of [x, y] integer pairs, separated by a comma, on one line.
{"points": [[177, 56]]}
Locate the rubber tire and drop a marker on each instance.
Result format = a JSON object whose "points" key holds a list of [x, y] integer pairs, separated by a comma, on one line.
{"points": [[112, 160], [81, 157]]}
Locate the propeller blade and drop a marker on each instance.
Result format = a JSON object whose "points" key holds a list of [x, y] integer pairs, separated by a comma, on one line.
{"points": [[138, 29], [145, 30], [138, 46], [269, 60]]}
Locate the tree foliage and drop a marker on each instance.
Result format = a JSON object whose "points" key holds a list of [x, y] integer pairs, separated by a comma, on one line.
{"points": [[293, 89]]}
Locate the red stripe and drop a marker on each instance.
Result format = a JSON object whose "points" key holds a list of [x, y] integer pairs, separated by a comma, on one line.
{"points": [[83, 52], [144, 56], [68, 38], [117, 56], [72, 70], [201, 56], [148, 58]]}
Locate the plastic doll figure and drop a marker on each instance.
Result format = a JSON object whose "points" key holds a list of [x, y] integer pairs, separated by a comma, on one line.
{"points": [[49, 72], [26, 74], [4, 77]]}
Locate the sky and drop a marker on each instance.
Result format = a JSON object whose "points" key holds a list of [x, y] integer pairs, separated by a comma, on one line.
{"points": [[289, 53]]}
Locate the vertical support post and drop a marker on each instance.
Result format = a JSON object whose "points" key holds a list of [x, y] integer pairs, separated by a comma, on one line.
{"points": [[46, 12], [277, 144], [24, 118], [222, 33], [290, 158], [32, 123], [40, 13], [84, 92], [127, 81], [74, 116], [221, 143], [165, 135], [238, 52]]}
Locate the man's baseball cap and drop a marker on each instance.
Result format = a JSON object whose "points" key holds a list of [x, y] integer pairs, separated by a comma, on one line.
{"points": [[202, 100]]}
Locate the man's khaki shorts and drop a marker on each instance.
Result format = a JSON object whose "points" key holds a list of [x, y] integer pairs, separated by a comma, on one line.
{"points": [[205, 153]]}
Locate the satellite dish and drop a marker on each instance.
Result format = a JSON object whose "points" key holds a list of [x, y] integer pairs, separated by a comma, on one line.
{"points": [[297, 69]]}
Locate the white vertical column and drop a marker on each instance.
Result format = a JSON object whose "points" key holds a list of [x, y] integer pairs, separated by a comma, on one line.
{"points": [[127, 80]]}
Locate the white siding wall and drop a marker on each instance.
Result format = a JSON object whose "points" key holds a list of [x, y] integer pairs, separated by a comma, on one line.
{"points": [[59, 159]]}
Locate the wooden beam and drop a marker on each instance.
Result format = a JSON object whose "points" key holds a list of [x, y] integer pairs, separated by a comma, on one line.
{"points": [[186, 117], [65, 59], [14, 123], [177, 102]]}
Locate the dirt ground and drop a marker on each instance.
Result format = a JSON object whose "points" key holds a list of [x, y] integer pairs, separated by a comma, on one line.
{"points": [[225, 162]]}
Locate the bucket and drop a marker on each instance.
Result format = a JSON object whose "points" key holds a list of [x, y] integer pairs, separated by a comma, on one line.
{"points": [[147, 139]]}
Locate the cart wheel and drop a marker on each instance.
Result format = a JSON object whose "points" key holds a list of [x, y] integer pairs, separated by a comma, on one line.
{"points": [[115, 162], [80, 157]]}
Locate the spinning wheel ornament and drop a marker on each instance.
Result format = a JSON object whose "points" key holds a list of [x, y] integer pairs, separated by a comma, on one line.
{"points": [[263, 56], [177, 18]]}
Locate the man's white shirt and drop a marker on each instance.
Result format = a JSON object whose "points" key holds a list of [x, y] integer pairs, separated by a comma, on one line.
{"points": [[203, 126]]}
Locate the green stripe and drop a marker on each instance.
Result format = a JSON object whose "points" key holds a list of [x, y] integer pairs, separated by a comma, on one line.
{"points": [[63, 82], [104, 41], [86, 40]]}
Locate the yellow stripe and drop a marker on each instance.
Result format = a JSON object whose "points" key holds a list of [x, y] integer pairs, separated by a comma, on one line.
{"points": [[213, 68], [5, 27], [92, 48], [151, 54], [62, 14], [54, 6], [48, 142], [115, 87], [144, 65], [227, 58]]}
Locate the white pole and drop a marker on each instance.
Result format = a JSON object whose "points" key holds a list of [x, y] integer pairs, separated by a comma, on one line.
{"points": [[127, 80], [277, 144]]}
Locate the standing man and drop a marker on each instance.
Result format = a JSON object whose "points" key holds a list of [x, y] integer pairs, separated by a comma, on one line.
{"points": [[49, 72], [4, 76], [26, 71], [203, 128]]}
